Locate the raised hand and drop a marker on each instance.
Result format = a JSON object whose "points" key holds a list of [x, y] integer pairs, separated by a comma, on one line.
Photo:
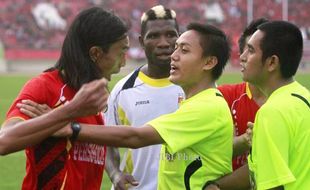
{"points": [[249, 133], [90, 99]]}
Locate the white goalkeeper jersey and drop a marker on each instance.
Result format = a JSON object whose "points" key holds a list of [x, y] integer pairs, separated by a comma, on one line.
{"points": [[135, 100]]}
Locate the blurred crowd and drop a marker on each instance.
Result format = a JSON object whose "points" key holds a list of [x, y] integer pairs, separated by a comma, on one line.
{"points": [[42, 24]]}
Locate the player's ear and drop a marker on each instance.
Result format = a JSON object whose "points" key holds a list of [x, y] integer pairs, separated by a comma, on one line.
{"points": [[141, 41], [210, 62], [94, 53], [273, 63]]}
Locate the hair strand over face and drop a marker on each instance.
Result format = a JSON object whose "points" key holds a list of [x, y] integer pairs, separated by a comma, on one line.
{"points": [[92, 27]]}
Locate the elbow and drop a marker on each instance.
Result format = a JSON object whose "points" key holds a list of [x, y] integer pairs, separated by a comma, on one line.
{"points": [[135, 145], [5, 146], [4, 149], [3, 152], [133, 137], [134, 142], [2, 146]]}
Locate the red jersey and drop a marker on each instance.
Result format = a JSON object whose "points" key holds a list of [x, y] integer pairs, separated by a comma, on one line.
{"points": [[55, 163], [243, 109]]}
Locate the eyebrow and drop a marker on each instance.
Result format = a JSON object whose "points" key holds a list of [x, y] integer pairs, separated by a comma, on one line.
{"points": [[183, 44], [159, 30], [154, 32], [250, 46]]}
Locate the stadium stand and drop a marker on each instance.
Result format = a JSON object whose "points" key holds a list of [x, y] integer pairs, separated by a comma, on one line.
{"points": [[24, 38]]}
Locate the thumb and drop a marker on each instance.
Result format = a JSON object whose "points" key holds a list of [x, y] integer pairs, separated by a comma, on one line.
{"points": [[250, 125], [132, 180]]}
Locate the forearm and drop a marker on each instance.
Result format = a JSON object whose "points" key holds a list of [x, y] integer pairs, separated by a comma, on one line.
{"points": [[238, 180], [130, 137], [17, 134], [22, 134]]}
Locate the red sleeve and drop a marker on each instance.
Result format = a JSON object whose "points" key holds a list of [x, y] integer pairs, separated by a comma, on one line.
{"points": [[34, 90]]}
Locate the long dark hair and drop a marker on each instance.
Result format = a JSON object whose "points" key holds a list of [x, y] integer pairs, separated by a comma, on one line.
{"points": [[92, 27]]}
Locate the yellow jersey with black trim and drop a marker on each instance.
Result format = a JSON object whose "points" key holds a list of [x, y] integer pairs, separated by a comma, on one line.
{"points": [[281, 139], [134, 101], [198, 142]]}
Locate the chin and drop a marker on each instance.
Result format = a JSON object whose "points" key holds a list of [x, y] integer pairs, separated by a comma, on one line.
{"points": [[173, 80], [244, 78], [107, 76]]}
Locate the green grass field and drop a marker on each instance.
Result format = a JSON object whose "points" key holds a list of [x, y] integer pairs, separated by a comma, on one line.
{"points": [[12, 167]]}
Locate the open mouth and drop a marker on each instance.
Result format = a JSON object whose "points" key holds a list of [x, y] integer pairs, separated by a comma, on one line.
{"points": [[242, 64], [173, 69]]}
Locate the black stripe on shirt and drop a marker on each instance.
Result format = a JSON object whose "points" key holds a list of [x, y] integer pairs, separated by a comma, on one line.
{"points": [[131, 80], [51, 171], [41, 150], [218, 94], [302, 99], [190, 170]]}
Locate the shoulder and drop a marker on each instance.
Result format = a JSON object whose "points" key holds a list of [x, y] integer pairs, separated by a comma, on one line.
{"points": [[127, 82], [206, 101], [48, 79], [37, 82], [289, 97], [230, 89]]}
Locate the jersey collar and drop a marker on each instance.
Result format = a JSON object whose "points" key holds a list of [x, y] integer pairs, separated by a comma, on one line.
{"points": [[248, 91], [154, 82]]}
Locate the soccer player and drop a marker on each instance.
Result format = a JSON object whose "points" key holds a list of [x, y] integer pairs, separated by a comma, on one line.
{"points": [[244, 100], [281, 137], [143, 95], [94, 47]]}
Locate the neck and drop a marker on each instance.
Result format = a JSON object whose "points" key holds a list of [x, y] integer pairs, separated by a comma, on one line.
{"points": [[156, 71], [274, 84], [192, 90], [257, 95]]}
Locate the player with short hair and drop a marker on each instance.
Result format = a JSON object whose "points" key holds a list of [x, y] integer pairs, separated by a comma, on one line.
{"points": [[281, 137], [143, 95], [244, 99]]}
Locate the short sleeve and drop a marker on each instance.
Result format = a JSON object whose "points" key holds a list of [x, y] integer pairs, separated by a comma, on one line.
{"points": [[187, 126], [271, 146], [33, 90]]}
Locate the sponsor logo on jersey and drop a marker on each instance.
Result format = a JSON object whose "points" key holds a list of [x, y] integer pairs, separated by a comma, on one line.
{"points": [[142, 102]]}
